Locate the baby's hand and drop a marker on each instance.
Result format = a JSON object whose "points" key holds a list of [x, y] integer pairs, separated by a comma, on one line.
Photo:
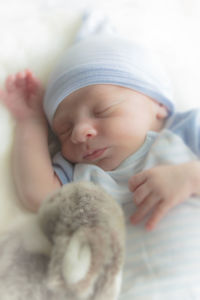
{"points": [[23, 95], [159, 189]]}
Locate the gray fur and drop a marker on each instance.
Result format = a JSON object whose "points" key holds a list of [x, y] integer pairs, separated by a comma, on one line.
{"points": [[80, 217]]}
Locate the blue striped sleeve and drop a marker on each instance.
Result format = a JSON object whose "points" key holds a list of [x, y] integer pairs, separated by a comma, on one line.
{"points": [[187, 126], [63, 168]]}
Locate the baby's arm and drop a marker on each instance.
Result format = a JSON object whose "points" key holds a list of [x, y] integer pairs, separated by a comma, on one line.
{"points": [[33, 173], [159, 189]]}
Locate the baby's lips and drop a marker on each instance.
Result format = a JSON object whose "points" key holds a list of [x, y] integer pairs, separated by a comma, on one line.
{"points": [[94, 154]]}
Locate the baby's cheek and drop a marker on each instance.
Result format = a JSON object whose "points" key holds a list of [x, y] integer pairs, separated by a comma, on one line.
{"points": [[114, 127], [67, 151]]}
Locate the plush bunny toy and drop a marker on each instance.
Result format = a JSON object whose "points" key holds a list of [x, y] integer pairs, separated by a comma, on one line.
{"points": [[76, 253]]}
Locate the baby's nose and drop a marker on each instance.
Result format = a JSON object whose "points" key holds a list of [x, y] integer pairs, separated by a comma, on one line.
{"points": [[81, 133]]}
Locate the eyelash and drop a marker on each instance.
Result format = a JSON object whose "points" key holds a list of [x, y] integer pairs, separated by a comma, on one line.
{"points": [[99, 113], [66, 133]]}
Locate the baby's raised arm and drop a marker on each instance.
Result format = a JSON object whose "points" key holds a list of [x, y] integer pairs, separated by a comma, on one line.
{"points": [[33, 173]]}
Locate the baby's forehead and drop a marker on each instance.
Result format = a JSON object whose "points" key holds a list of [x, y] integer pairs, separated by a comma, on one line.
{"points": [[96, 92], [99, 89], [91, 96], [100, 94]]}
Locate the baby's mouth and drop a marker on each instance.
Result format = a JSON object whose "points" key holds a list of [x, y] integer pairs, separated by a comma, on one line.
{"points": [[94, 154]]}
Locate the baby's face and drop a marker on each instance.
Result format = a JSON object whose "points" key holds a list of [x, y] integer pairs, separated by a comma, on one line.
{"points": [[104, 124]]}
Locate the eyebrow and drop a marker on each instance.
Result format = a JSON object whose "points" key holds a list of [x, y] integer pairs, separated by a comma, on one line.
{"points": [[117, 101]]}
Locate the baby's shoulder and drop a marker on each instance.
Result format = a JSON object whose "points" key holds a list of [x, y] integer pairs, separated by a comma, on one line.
{"points": [[187, 126], [181, 121]]}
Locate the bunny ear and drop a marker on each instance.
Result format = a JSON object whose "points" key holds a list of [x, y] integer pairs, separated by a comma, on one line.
{"points": [[77, 259], [54, 278], [94, 22]]}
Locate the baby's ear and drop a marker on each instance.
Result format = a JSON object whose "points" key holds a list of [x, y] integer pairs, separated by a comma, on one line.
{"points": [[162, 111]]}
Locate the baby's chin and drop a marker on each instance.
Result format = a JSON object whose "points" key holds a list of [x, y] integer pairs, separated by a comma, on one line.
{"points": [[108, 164]]}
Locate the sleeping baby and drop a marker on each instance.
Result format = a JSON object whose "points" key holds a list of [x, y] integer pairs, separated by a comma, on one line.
{"points": [[109, 103]]}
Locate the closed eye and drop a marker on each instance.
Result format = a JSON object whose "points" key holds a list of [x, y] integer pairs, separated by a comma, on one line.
{"points": [[99, 113], [65, 133], [104, 111]]}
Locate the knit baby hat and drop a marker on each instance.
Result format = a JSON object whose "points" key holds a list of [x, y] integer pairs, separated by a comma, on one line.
{"points": [[100, 56]]}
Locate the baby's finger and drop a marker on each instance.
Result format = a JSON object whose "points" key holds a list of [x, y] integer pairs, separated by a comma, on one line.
{"points": [[20, 82], [33, 83], [32, 78], [2, 95], [160, 211], [10, 83], [136, 180], [21, 79], [144, 208], [141, 193]]}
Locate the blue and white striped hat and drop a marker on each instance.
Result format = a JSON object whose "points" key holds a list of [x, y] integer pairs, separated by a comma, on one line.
{"points": [[107, 59]]}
